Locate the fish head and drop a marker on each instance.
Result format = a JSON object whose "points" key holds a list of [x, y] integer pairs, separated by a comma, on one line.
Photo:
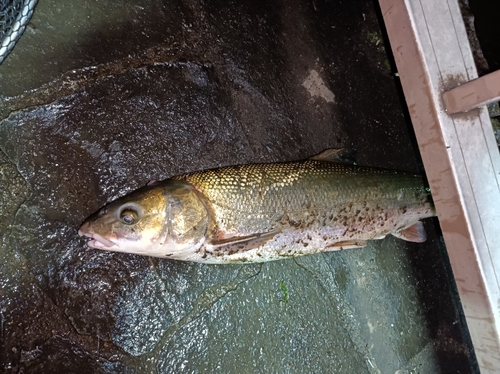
{"points": [[166, 219]]}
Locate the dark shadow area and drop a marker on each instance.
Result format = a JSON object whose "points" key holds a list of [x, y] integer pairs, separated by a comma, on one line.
{"points": [[486, 15], [365, 77]]}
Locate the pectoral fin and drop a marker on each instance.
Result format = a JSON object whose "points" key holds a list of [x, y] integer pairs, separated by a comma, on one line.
{"points": [[337, 155], [241, 243], [415, 233]]}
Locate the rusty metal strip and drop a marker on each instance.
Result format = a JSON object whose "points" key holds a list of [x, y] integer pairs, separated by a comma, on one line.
{"points": [[473, 94], [460, 155]]}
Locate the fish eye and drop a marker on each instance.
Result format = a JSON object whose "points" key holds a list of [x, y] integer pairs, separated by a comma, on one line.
{"points": [[129, 214], [129, 217]]}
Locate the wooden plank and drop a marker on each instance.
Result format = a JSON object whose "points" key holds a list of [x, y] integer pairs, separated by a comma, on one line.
{"points": [[460, 156], [473, 94]]}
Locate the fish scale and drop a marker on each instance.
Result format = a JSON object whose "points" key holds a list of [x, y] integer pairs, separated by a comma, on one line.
{"points": [[250, 198]]}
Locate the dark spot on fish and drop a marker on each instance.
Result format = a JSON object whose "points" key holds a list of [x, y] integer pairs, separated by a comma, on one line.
{"points": [[309, 237], [305, 244], [358, 211]]}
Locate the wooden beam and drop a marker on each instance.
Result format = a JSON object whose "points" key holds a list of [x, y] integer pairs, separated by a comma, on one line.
{"points": [[460, 155]]}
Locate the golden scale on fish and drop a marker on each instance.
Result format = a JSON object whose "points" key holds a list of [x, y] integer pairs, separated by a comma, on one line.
{"points": [[264, 212]]}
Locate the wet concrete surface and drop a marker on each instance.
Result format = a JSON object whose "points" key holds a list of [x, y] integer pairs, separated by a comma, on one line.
{"points": [[99, 98]]}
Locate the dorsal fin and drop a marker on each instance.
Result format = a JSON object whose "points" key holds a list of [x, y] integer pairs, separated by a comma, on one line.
{"points": [[337, 155]]}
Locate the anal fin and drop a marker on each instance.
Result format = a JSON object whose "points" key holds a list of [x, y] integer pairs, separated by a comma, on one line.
{"points": [[414, 233]]}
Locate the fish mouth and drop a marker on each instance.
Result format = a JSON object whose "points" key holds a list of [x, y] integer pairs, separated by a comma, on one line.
{"points": [[97, 241]]}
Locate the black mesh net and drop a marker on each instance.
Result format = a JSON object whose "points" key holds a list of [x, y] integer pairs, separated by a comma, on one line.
{"points": [[14, 16]]}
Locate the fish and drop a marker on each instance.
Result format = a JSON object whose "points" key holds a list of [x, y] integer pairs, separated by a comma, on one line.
{"points": [[263, 212]]}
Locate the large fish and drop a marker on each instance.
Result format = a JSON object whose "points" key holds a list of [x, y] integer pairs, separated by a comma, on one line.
{"points": [[263, 212]]}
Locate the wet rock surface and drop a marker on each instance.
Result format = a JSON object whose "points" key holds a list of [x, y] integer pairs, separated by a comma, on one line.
{"points": [[98, 99]]}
